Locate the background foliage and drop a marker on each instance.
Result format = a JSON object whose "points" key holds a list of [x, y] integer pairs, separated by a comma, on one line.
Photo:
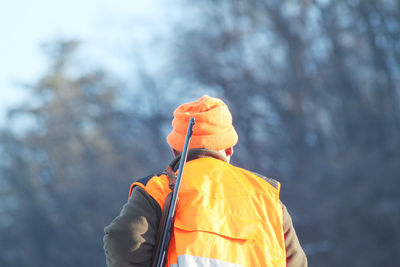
{"points": [[314, 91]]}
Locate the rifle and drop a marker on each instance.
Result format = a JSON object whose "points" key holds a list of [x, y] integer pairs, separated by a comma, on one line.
{"points": [[167, 221]]}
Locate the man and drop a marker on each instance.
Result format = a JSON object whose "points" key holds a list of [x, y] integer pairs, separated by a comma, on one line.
{"points": [[225, 216]]}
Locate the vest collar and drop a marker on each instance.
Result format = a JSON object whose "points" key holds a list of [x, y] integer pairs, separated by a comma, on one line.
{"points": [[198, 153]]}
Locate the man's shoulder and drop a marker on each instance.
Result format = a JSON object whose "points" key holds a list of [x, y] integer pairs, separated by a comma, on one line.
{"points": [[271, 181], [144, 180]]}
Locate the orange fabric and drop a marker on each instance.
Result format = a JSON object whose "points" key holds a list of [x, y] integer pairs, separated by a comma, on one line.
{"points": [[213, 128], [224, 213], [158, 186]]}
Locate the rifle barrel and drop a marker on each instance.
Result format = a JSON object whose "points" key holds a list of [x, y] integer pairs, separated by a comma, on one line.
{"points": [[166, 236]]}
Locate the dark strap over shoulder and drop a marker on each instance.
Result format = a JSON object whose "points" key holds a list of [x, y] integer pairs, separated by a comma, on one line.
{"points": [[172, 177], [161, 226]]}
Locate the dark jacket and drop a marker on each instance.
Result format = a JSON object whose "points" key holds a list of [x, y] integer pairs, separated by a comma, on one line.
{"points": [[130, 238]]}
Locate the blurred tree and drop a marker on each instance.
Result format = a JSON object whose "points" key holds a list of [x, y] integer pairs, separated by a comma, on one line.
{"points": [[68, 164], [314, 90]]}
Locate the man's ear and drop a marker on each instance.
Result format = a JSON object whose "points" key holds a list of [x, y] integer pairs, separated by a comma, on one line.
{"points": [[229, 151]]}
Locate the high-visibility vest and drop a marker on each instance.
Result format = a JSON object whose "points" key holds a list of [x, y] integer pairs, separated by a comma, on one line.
{"points": [[225, 216]]}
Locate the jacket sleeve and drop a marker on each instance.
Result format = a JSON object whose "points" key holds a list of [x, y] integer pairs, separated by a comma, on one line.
{"points": [[130, 238], [295, 256]]}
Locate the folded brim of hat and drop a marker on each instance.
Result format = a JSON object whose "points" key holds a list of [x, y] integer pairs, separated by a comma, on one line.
{"points": [[216, 142]]}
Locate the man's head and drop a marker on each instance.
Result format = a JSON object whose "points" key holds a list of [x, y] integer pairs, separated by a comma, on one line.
{"points": [[213, 128]]}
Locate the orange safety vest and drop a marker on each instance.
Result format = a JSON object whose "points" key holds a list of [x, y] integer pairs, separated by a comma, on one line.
{"points": [[225, 216]]}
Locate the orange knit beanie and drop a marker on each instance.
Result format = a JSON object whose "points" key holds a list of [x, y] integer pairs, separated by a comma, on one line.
{"points": [[213, 128]]}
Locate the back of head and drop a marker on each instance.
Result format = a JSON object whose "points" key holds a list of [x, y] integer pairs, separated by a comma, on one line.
{"points": [[213, 128]]}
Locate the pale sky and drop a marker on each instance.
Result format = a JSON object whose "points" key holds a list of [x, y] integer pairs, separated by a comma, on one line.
{"points": [[103, 26]]}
